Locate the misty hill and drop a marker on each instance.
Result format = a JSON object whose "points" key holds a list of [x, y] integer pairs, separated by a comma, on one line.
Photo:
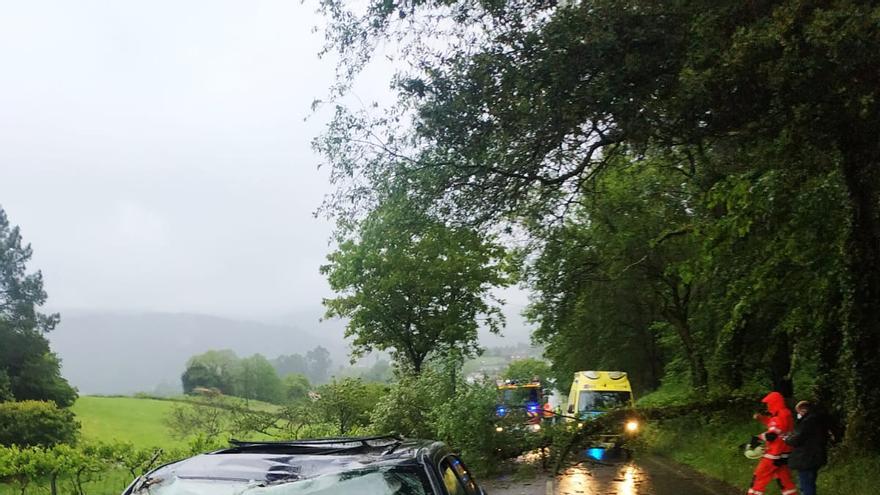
{"points": [[122, 353], [516, 331]]}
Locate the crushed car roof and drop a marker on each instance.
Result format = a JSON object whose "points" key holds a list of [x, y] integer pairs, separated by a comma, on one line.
{"points": [[278, 461]]}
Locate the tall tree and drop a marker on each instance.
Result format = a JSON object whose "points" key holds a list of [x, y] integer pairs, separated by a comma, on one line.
{"points": [[29, 370], [414, 286]]}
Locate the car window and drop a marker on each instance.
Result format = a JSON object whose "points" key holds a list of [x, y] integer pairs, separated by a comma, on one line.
{"points": [[457, 478]]}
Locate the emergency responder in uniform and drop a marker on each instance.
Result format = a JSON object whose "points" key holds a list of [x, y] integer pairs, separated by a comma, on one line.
{"points": [[548, 412], [774, 464]]}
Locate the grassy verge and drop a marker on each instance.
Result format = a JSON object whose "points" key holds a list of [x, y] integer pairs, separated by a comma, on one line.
{"points": [[709, 444]]}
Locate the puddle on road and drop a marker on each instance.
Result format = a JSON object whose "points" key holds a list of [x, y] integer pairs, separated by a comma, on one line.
{"points": [[592, 479]]}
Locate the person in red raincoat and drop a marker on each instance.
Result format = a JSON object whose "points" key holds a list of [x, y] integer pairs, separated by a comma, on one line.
{"points": [[774, 464]]}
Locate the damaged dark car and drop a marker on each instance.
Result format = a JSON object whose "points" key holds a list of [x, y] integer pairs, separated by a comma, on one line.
{"points": [[380, 465]]}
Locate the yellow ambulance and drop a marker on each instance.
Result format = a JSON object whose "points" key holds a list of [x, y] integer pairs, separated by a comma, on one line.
{"points": [[594, 392]]}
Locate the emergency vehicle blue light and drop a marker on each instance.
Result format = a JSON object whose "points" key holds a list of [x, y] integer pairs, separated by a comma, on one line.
{"points": [[596, 453], [501, 411], [532, 407]]}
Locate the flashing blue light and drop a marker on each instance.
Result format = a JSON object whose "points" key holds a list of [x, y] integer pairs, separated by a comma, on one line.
{"points": [[501, 411], [596, 453], [532, 407]]}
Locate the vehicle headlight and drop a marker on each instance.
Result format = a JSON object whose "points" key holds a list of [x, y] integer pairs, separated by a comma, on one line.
{"points": [[499, 429], [632, 426]]}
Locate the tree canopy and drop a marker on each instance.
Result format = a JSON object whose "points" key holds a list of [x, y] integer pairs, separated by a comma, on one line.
{"points": [[412, 285], [745, 246]]}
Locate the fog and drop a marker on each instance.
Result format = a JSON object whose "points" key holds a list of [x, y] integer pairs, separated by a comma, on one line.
{"points": [[157, 154]]}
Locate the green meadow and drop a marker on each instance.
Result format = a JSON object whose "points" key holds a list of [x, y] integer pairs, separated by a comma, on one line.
{"points": [[140, 421], [126, 419]]}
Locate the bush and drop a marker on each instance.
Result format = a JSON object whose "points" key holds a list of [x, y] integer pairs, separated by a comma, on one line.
{"points": [[296, 388], [32, 422], [404, 409], [439, 404], [82, 469], [347, 404], [466, 422]]}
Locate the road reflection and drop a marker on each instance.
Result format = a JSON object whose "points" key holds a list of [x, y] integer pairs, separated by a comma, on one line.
{"points": [[576, 480], [628, 485], [641, 476], [589, 479]]}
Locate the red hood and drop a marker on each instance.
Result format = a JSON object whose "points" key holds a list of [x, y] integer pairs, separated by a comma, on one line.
{"points": [[775, 402]]}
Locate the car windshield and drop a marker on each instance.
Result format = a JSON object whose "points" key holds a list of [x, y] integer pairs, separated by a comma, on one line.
{"points": [[382, 481], [591, 400]]}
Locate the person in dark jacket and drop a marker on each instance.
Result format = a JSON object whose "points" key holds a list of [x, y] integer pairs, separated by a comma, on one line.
{"points": [[810, 442]]}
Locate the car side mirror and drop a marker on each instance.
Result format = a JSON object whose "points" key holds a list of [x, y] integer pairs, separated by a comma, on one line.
{"points": [[571, 409]]}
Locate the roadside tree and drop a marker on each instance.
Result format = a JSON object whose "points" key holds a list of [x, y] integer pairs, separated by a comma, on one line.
{"points": [[414, 286]]}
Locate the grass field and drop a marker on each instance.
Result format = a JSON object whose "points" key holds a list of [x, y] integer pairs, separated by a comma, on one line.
{"points": [[126, 419], [140, 421]]}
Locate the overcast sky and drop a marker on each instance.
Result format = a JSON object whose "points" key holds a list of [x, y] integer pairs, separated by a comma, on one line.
{"points": [[156, 155]]}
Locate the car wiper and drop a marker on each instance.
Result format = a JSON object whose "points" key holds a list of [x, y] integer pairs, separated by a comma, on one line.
{"points": [[266, 484], [143, 482], [391, 448]]}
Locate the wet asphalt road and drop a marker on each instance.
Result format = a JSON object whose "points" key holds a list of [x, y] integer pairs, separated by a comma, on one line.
{"points": [[641, 476]]}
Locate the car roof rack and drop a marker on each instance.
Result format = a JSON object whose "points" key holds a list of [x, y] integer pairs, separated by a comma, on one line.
{"points": [[316, 446]]}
